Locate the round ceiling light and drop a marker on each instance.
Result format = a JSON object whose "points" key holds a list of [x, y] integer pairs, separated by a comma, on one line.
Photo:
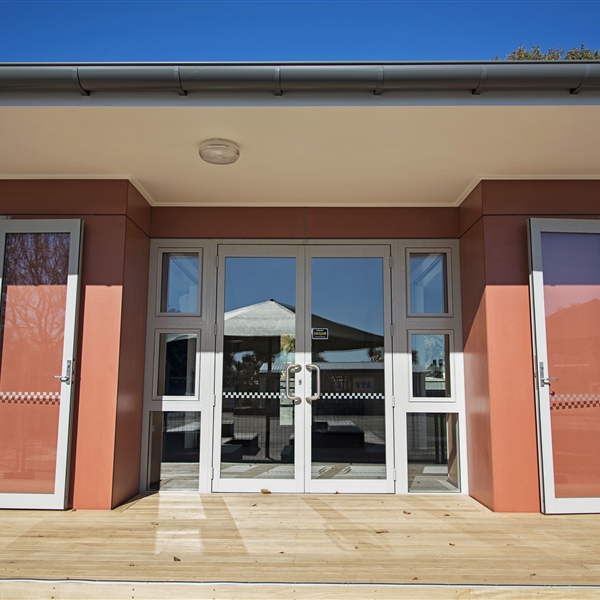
{"points": [[219, 152]]}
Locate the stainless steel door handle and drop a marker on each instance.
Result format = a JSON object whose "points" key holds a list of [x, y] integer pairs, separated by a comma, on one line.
{"points": [[317, 395], [65, 378], [545, 380], [288, 371]]}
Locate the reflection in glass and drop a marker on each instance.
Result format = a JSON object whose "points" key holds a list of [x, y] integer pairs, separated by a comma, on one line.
{"points": [[177, 364], [257, 426], [348, 428], [179, 287], [428, 287], [571, 270], [432, 440], [174, 451], [34, 297], [430, 360]]}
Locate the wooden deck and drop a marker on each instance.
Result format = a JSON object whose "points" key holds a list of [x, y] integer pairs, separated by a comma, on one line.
{"points": [[375, 541]]}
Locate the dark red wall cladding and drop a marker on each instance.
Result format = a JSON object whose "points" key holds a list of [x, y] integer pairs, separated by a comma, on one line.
{"points": [[118, 225]]}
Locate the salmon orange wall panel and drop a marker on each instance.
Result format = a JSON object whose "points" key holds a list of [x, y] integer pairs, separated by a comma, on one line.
{"points": [[477, 396], [500, 402], [99, 370], [510, 355], [512, 400]]}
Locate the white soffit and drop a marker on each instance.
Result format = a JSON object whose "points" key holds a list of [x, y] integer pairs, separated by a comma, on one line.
{"points": [[303, 155]]}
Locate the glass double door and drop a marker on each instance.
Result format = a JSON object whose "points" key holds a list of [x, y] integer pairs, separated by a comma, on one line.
{"points": [[303, 373]]}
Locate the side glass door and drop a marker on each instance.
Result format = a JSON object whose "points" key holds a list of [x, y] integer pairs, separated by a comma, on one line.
{"points": [[39, 267], [259, 399], [348, 434], [565, 286]]}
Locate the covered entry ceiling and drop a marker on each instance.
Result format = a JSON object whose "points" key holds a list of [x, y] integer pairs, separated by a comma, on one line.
{"points": [[374, 151]]}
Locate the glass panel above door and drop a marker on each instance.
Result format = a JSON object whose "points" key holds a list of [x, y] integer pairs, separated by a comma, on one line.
{"points": [[179, 284], [257, 426], [428, 283], [347, 351]]}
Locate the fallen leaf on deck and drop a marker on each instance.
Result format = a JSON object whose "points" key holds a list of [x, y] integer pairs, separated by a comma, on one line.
{"points": [[265, 491], [406, 512], [254, 504], [176, 559], [381, 531], [415, 579], [451, 544]]}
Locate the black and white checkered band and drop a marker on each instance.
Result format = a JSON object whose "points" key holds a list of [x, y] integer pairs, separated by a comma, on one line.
{"points": [[260, 395], [326, 396], [43, 398], [353, 396], [570, 401]]}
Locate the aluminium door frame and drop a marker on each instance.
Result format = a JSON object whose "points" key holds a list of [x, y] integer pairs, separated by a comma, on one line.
{"points": [[550, 503], [59, 499]]}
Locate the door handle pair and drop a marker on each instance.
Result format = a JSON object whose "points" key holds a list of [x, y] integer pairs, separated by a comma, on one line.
{"points": [[296, 369]]}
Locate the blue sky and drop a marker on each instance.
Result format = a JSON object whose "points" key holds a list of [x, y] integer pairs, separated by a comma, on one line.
{"points": [[247, 30]]}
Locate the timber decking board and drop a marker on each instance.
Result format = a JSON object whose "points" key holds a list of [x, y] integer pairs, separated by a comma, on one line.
{"points": [[302, 538]]}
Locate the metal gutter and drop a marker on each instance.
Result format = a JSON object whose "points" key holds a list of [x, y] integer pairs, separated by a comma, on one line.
{"points": [[375, 78]]}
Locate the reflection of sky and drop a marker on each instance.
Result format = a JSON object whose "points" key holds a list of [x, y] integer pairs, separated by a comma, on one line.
{"points": [[349, 291], [344, 290], [428, 283], [252, 280], [182, 283], [571, 266]]}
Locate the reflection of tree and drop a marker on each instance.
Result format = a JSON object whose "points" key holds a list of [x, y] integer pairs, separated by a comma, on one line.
{"points": [[34, 290], [288, 343], [432, 355], [375, 354], [242, 360]]}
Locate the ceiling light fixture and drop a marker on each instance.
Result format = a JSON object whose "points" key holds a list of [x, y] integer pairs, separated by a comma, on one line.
{"points": [[219, 152]]}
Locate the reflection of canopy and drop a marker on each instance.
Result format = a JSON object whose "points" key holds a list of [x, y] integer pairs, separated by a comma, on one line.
{"points": [[270, 319], [265, 319]]}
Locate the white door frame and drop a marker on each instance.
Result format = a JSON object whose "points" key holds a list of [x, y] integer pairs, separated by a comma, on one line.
{"points": [[550, 503], [74, 227]]}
